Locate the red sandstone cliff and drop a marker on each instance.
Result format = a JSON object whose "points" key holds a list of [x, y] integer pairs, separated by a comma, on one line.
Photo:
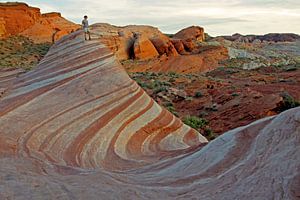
{"points": [[21, 19]]}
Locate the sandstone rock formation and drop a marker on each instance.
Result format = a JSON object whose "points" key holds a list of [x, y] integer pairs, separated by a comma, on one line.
{"points": [[176, 55], [189, 45], [203, 60], [94, 109], [164, 46], [21, 19], [144, 49], [207, 60], [121, 39], [178, 44], [77, 127], [192, 32]]}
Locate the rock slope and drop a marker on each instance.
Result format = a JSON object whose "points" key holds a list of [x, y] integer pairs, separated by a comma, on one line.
{"points": [[80, 108], [78, 127], [21, 19]]}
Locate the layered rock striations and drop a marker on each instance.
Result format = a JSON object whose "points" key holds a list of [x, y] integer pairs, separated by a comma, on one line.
{"points": [[21, 19], [77, 127], [79, 108]]}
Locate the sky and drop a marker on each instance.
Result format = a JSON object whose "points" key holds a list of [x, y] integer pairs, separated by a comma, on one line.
{"points": [[218, 17]]}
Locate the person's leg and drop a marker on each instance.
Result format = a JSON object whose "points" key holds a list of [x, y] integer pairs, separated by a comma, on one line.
{"points": [[88, 32]]}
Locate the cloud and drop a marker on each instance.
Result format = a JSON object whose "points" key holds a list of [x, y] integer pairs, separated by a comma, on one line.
{"points": [[218, 17]]}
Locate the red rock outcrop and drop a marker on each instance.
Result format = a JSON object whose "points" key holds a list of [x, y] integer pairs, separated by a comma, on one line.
{"points": [[77, 127], [176, 55], [192, 33], [189, 45], [178, 44], [202, 60], [144, 49], [164, 46], [21, 19], [190, 36], [121, 39], [205, 61], [17, 17]]}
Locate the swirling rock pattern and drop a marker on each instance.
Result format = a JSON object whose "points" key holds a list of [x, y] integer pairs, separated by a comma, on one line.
{"points": [[78, 127], [80, 108]]}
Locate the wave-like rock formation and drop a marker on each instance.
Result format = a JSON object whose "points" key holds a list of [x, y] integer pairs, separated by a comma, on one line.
{"points": [[77, 127], [80, 108]]}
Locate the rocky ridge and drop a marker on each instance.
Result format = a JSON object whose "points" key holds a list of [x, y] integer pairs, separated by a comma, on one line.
{"points": [[181, 54], [271, 37]]}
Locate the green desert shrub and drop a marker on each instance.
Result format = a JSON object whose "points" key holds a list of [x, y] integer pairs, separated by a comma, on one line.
{"points": [[288, 102], [173, 74], [160, 89], [172, 80], [209, 134], [21, 52], [167, 104], [198, 94], [195, 122], [172, 110]]}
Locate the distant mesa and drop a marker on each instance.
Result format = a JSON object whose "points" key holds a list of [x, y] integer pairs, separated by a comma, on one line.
{"points": [[271, 37], [21, 19]]}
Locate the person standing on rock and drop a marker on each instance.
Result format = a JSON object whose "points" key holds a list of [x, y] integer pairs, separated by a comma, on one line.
{"points": [[85, 27]]}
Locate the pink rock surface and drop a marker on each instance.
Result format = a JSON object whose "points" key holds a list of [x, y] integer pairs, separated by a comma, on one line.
{"points": [[77, 127], [80, 108]]}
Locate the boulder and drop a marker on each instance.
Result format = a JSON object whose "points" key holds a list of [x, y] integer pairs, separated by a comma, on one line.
{"points": [[192, 32], [189, 45], [164, 46], [144, 49], [178, 44]]}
